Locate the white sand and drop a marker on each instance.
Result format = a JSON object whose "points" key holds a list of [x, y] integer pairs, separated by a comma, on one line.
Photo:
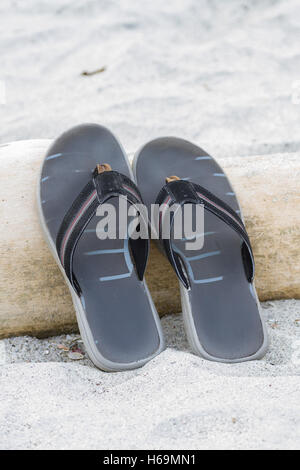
{"points": [[220, 74], [176, 401]]}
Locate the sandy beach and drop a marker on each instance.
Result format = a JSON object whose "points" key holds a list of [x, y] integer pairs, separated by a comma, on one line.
{"points": [[221, 74], [177, 401]]}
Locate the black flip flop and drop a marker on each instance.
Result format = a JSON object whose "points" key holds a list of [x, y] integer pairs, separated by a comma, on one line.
{"points": [[220, 307], [117, 319]]}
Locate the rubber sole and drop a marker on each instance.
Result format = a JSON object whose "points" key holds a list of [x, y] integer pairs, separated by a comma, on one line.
{"points": [[222, 329], [87, 335]]}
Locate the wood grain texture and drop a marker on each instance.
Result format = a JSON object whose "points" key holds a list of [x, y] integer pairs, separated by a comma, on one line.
{"points": [[34, 299]]}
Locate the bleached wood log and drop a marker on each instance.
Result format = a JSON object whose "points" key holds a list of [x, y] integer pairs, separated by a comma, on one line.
{"points": [[33, 296]]}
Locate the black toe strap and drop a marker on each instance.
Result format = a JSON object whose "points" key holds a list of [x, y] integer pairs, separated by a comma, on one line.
{"points": [[101, 187], [182, 192]]}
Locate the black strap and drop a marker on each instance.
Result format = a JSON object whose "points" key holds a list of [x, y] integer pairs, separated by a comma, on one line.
{"points": [[102, 187], [181, 192]]}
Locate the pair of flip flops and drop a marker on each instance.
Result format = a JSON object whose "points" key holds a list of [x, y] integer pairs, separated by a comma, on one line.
{"points": [[86, 168]]}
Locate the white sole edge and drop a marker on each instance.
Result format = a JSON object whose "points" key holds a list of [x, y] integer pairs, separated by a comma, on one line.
{"points": [[193, 338]]}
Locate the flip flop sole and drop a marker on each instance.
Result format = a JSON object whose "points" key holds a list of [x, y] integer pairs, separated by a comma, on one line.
{"points": [[116, 316], [221, 310]]}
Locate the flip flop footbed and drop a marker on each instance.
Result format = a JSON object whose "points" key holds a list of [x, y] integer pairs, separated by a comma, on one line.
{"points": [[116, 315], [221, 309]]}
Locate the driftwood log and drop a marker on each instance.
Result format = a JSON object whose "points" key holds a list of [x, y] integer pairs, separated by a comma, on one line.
{"points": [[34, 299]]}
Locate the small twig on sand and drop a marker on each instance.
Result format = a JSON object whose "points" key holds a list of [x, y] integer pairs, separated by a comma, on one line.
{"points": [[94, 72]]}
